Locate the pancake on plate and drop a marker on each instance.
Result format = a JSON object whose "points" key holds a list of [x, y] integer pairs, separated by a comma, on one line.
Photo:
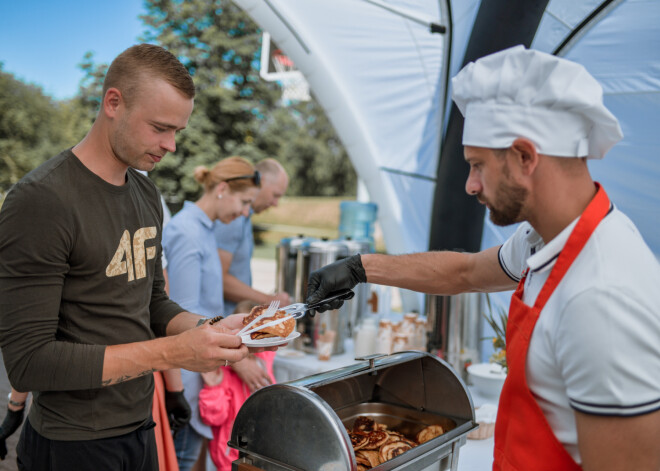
{"points": [[283, 329]]}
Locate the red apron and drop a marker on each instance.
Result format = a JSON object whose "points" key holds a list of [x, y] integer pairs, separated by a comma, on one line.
{"points": [[524, 440]]}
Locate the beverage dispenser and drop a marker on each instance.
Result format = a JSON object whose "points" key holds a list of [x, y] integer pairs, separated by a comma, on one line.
{"points": [[287, 254], [357, 306], [455, 323], [313, 255], [357, 221]]}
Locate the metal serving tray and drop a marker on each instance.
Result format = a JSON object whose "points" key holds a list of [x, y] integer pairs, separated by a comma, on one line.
{"points": [[400, 419]]}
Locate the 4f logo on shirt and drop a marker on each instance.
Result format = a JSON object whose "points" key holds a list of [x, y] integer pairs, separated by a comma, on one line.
{"points": [[132, 258]]}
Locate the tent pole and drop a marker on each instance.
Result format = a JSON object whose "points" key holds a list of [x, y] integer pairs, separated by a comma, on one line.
{"points": [[457, 219]]}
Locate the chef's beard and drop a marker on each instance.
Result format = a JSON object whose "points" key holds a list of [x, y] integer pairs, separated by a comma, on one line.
{"points": [[510, 199]]}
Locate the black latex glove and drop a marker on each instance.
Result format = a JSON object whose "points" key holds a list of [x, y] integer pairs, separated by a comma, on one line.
{"points": [[342, 274], [178, 410], [12, 421]]}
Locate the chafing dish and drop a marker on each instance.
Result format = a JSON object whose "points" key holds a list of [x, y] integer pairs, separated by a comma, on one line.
{"points": [[301, 425]]}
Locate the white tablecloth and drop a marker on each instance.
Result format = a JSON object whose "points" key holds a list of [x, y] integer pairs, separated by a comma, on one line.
{"points": [[289, 365], [293, 364]]}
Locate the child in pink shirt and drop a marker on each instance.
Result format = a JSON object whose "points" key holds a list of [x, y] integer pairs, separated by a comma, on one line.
{"points": [[223, 395]]}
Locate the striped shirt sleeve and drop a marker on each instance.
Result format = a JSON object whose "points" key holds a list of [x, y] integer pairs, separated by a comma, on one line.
{"points": [[516, 250], [615, 370]]}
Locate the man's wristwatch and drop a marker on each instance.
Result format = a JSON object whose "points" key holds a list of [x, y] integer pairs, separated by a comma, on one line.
{"points": [[14, 403]]}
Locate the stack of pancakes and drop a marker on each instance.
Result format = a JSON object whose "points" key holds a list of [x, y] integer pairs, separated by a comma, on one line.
{"points": [[283, 329], [374, 444]]}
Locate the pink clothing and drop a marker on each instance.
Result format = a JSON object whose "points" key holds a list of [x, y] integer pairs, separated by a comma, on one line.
{"points": [[218, 406]]}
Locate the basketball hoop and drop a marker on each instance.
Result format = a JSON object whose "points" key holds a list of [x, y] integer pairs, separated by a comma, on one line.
{"points": [[282, 63], [295, 88], [278, 67]]}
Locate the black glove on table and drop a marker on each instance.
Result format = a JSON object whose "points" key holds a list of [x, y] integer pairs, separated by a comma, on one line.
{"points": [[340, 275], [178, 410], [12, 421]]}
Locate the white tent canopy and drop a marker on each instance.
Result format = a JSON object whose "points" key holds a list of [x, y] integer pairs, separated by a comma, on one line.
{"points": [[382, 79], [384, 101]]}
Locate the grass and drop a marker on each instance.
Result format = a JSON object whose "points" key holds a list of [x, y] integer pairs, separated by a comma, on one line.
{"points": [[265, 251], [307, 216], [305, 212]]}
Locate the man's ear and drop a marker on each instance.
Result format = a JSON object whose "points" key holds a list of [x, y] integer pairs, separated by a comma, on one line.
{"points": [[111, 101], [525, 152]]}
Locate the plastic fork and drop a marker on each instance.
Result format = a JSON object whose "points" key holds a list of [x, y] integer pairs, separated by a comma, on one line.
{"points": [[262, 326], [298, 310], [272, 309]]}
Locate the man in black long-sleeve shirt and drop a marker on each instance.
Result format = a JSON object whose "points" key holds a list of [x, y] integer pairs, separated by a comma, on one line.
{"points": [[81, 286]]}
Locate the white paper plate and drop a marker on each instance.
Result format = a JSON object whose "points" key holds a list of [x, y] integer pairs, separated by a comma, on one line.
{"points": [[268, 342]]}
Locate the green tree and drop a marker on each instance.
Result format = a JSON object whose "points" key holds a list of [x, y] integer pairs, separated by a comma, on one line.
{"points": [[304, 141], [90, 90], [216, 41], [34, 127], [236, 112], [78, 113], [30, 129]]}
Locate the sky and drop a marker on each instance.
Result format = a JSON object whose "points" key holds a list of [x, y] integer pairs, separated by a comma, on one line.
{"points": [[42, 42]]}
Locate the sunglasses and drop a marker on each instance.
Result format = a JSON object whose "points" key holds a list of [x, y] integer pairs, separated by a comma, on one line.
{"points": [[255, 177]]}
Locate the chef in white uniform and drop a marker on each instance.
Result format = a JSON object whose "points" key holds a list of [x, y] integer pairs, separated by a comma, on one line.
{"points": [[583, 336]]}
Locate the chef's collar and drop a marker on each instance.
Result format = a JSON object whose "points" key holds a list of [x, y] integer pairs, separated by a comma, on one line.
{"points": [[545, 258]]}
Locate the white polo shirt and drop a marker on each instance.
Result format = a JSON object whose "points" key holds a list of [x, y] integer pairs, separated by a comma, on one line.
{"points": [[596, 345]]}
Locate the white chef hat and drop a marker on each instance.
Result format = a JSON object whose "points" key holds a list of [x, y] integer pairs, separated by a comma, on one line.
{"points": [[521, 92]]}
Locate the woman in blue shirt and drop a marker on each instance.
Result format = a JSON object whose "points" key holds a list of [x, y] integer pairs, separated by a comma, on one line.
{"points": [[195, 272]]}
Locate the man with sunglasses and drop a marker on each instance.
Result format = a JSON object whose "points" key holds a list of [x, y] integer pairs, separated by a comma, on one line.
{"points": [[235, 241]]}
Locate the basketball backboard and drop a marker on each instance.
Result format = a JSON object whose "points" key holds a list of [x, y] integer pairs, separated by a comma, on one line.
{"points": [[278, 67]]}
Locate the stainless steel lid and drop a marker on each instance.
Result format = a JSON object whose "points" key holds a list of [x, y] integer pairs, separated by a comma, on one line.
{"points": [[302, 424]]}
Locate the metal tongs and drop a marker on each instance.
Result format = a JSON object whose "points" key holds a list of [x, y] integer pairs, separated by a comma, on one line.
{"points": [[295, 311], [298, 310]]}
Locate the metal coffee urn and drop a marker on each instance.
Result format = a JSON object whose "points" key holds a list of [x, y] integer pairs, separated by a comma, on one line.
{"points": [[287, 254], [357, 306], [454, 324], [311, 256]]}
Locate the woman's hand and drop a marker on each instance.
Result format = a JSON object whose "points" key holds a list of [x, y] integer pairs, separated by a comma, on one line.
{"points": [[252, 373], [213, 378]]}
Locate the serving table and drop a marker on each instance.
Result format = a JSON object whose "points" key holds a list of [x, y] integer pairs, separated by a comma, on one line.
{"points": [[290, 364]]}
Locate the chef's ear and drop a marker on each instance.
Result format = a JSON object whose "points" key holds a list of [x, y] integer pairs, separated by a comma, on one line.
{"points": [[524, 152]]}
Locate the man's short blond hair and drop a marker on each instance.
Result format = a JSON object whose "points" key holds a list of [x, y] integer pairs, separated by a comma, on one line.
{"points": [[137, 62]]}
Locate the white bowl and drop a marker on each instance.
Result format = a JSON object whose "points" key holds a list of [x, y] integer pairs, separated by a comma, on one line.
{"points": [[487, 378]]}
